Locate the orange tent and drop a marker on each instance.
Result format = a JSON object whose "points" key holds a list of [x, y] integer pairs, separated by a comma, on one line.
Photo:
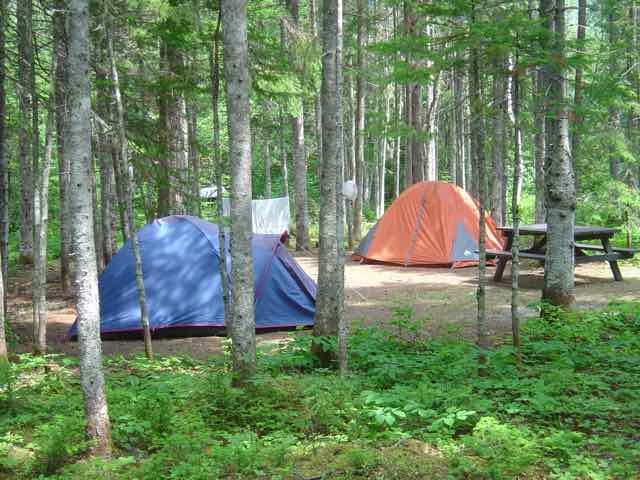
{"points": [[431, 223]]}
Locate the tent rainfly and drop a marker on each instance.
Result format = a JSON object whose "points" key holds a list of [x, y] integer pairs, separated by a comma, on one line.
{"points": [[180, 256], [429, 224]]}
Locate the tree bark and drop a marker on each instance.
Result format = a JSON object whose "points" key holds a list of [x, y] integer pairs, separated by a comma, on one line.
{"points": [[194, 157], [328, 297], [398, 143], [177, 132], [477, 139], [359, 122], [299, 155], [615, 121], [284, 162], [560, 199], [128, 192], [214, 64], [237, 85], [341, 320], [579, 83], [78, 151], [499, 148], [540, 135], [267, 168], [382, 166], [25, 59], [458, 98], [515, 209], [41, 220], [4, 175]]}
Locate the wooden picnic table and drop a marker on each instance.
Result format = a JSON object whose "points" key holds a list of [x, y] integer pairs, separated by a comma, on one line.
{"points": [[537, 250]]}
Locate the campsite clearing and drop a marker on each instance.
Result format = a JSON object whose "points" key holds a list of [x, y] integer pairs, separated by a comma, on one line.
{"points": [[442, 299]]}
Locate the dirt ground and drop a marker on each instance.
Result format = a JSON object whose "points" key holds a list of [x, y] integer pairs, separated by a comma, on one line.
{"points": [[443, 300]]}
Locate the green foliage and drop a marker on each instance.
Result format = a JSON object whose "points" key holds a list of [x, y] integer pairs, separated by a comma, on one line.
{"points": [[566, 406]]}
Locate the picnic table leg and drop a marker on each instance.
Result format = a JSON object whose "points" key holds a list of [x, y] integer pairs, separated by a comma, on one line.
{"points": [[502, 261], [615, 269]]}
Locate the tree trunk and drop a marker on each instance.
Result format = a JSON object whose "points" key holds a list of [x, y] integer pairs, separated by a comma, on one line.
{"points": [[41, 219], [398, 142], [430, 160], [341, 320], [177, 132], [560, 197], [499, 148], [267, 168], [579, 83], [164, 172], [214, 64], [128, 192], [458, 98], [194, 157], [515, 208], [299, 155], [78, 150], [4, 177], [417, 159], [329, 284], [316, 100], [284, 162], [237, 83], [539, 138], [359, 122], [300, 181], [615, 124], [25, 58], [107, 197], [382, 166], [104, 142], [477, 140]]}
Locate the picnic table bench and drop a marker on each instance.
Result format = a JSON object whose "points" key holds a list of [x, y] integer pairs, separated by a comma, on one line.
{"points": [[537, 250]]}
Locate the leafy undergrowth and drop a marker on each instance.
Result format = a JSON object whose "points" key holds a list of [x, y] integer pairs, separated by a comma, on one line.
{"points": [[566, 406]]}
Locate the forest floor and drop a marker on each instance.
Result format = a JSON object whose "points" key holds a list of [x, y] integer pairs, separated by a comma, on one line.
{"points": [[441, 300]]}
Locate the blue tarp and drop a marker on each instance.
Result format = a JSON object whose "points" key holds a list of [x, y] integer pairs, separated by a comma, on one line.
{"points": [[183, 285]]}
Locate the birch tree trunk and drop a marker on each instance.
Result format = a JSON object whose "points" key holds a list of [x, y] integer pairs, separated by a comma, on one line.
{"points": [[237, 85], [328, 296], [128, 192], [78, 150], [560, 194], [41, 219], [25, 133], [359, 122]]}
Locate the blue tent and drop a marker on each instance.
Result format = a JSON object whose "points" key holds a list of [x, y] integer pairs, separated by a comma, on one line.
{"points": [[183, 285]]}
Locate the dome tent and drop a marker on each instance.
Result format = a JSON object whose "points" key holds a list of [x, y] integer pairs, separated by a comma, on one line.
{"points": [[430, 223], [183, 284]]}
